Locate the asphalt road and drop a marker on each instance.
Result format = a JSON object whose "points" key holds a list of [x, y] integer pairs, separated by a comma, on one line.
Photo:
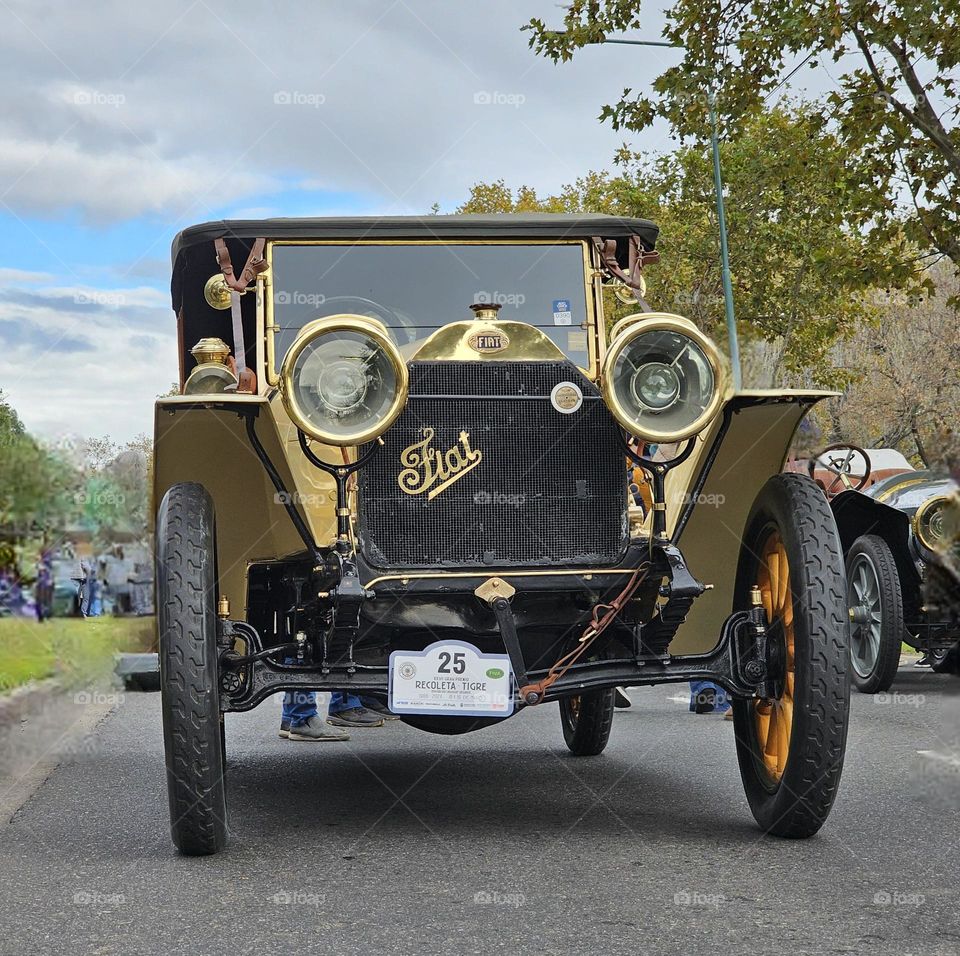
{"points": [[403, 842]]}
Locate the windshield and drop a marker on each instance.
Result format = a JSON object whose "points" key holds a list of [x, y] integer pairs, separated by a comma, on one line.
{"points": [[415, 289]]}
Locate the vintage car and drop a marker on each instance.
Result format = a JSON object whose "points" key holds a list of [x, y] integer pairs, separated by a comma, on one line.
{"points": [[893, 525], [399, 466]]}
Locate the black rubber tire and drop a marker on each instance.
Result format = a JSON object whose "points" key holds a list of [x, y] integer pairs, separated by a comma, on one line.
{"points": [[876, 551], [586, 728], [189, 683], [799, 803]]}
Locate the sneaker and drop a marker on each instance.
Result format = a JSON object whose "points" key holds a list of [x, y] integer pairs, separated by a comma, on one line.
{"points": [[621, 699], [378, 707], [315, 729], [704, 701], [924, 661], [355, 717], [284, 728]]}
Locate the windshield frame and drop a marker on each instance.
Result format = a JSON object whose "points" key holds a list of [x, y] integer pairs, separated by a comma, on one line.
{"points": [[591, 285]]}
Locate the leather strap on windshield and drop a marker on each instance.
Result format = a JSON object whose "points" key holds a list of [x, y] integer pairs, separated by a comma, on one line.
{"points": [[638, 257], [255, 264]]}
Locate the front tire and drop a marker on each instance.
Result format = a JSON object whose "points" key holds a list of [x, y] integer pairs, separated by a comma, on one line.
{"points": [[876, 614], [189, 680], [791, 747], [586, 721]]}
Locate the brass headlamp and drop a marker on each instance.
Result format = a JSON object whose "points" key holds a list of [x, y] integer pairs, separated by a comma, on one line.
{"points": [[344, 382], [662, 378]]}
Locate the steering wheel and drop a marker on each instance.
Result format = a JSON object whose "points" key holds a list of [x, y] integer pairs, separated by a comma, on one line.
{"points": [[361, 306], [839, 460]]}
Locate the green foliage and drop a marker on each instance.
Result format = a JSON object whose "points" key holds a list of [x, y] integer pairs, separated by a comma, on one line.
{"points": [[799, 273], [95, 483], [894, 111], [33, 489]]}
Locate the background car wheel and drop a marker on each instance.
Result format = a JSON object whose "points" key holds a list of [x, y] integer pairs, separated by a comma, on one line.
{"points": [[190, 699], [791, 747], [876, 614], [586, 720]]}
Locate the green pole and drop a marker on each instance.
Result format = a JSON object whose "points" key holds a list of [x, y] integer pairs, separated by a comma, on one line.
{"points": [[721, 219], [724, 251]]}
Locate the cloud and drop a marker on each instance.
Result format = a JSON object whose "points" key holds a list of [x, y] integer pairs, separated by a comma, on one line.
{"points": [[112, 184], [186, 111], [85, 360]]}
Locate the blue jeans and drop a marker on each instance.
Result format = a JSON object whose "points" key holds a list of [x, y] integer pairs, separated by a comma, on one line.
{"points": [[300, 705]]}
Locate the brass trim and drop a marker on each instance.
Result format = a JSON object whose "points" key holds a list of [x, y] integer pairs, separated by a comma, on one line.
{"points": [[494, 588], [594, 314], [424, 575], [918, 515], [908, 483], [649, 322], [523, 343], [217, 292], [350, 323]]}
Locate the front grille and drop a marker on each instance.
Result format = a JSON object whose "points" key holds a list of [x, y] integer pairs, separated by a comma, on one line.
{"points": [[550, 488]]}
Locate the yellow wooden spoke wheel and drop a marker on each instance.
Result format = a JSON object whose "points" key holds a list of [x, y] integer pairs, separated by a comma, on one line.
{"points": [[774, 716]]}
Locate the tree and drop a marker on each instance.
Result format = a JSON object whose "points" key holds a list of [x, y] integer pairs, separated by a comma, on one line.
{"points": [[907, 388], [33, 485], [802, 280], [894, 112]]}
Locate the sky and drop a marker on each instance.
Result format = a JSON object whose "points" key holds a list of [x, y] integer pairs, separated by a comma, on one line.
{"points": [[124, 122]]}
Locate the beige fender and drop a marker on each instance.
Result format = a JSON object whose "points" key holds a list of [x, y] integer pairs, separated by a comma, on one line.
{"points": [[203, 439], [753, 446]]}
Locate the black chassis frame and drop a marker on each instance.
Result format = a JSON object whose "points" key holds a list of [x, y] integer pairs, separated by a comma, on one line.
{"points": [[748, 659]]}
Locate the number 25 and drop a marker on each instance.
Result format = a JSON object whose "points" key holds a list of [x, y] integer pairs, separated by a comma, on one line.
{"points": [[459, 661]]}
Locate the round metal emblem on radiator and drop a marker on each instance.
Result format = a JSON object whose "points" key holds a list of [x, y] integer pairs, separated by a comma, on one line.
{"points": [[566, 397]]}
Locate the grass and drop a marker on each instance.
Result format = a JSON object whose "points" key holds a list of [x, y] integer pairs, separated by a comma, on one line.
{"points": [[77, 651]]}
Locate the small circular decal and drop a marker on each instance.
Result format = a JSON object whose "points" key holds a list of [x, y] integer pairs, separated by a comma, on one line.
{"points": [[408, 671], [566, 397]]}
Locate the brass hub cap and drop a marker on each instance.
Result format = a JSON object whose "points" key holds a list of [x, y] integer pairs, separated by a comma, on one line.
{"points": [[774, 717]]}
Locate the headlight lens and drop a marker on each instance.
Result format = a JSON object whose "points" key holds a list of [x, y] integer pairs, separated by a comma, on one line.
{"points": [[663, 379], [343, 380], [930, 523]]}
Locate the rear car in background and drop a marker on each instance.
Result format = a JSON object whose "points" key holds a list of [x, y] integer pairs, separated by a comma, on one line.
{"points": [[894, 525]]}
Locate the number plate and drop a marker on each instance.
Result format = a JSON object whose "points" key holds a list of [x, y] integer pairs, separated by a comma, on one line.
{"points": [[451, 678]]}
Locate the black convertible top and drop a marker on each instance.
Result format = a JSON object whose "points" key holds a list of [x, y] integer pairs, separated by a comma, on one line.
{"points": [[501, 226]]}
